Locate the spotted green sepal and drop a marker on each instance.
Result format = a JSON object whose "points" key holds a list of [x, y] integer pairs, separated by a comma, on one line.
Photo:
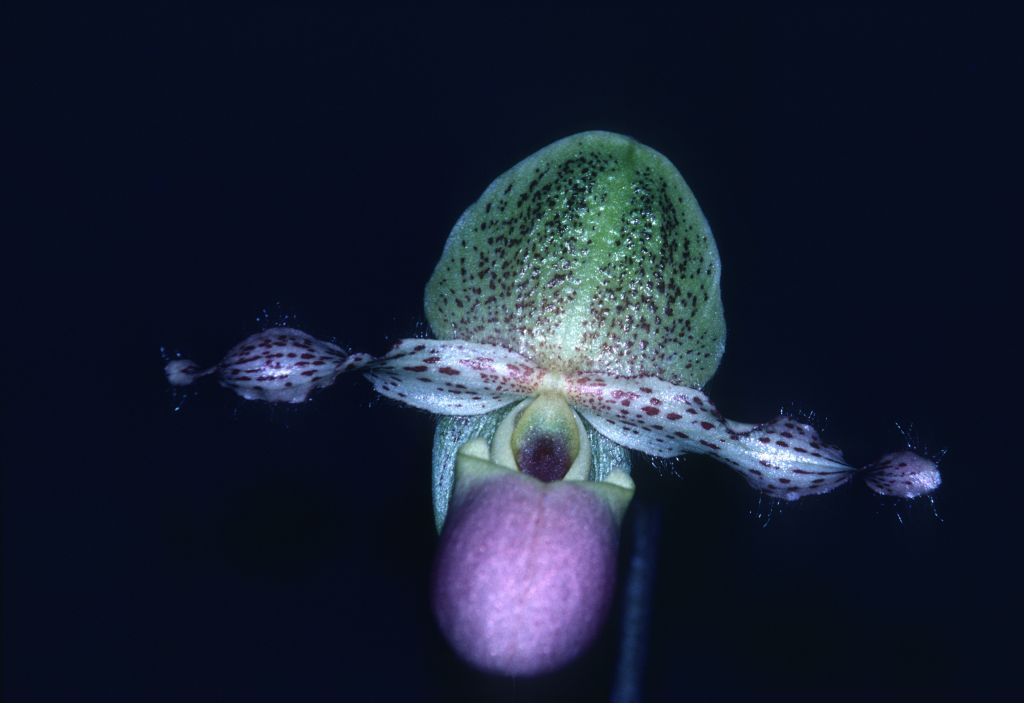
{"points": [[592, 254]]}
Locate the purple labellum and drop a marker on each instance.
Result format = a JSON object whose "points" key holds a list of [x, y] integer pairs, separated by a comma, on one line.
{"points": [[525, 572]]}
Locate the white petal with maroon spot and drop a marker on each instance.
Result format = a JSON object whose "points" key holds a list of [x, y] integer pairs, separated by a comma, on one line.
{"points": [[282, 365], [453, 377], [784, 458]]}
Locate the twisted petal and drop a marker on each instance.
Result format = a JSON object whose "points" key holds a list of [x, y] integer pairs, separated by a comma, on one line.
{"points": [[784, 457], [445, 377]]}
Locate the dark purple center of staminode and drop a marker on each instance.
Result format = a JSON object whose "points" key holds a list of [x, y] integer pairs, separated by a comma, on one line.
{"points": [[544, 457]]}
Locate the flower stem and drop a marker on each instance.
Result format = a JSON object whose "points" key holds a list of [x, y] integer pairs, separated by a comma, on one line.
{"points": [[636, 614]]}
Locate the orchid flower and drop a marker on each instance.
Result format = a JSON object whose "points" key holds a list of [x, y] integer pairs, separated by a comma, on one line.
{"points": [[577, 314]]}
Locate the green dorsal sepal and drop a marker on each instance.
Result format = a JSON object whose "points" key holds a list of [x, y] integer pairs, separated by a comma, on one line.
{"points": [[592, 254]]}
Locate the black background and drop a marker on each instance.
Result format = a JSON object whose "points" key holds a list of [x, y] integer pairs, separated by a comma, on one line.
{"points": [[193, 177]]}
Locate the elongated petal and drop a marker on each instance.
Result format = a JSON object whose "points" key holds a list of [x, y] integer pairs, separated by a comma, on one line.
{"points": [[445, 377], [784, 457]]}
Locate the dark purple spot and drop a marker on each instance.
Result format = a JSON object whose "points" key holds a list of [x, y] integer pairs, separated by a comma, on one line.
{"points": [[545, 457]]}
